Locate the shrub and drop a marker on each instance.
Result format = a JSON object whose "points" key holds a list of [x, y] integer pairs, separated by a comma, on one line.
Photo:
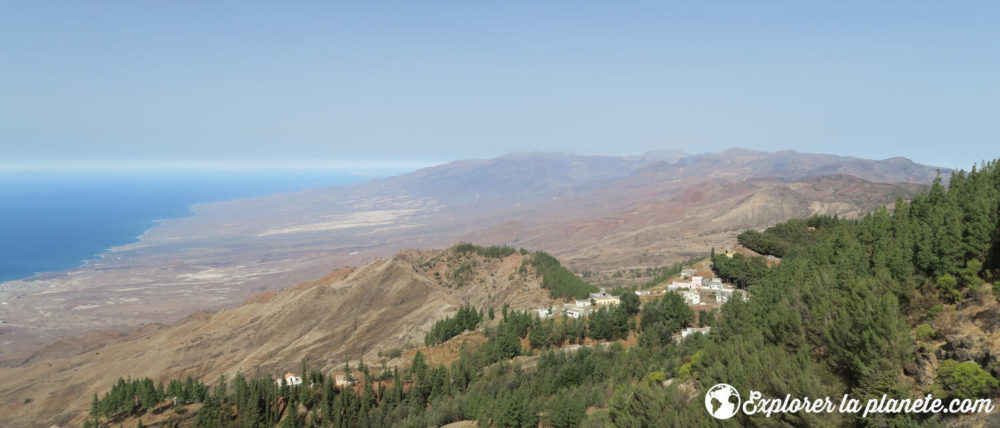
{"points": [[949, 288], [924, 332], [965, 380], [933, 312], [391, 353]]}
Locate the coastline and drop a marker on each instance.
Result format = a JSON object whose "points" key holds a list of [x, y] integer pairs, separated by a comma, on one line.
{"points": [[139, 197], [90, 261]]}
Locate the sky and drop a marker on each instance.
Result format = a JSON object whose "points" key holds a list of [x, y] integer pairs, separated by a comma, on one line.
{"points": [[105, 84]]}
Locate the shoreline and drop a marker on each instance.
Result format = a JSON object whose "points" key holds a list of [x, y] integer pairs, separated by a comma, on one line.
{"points": [[191, 209], [96, 257]]}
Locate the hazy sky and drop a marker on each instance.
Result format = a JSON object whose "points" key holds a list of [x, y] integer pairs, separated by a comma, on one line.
{"points": [[338, 83]]}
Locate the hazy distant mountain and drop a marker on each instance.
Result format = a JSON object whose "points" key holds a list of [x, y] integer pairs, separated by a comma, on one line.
{"points": [[792, 165], [524, 175], [666, 155]]}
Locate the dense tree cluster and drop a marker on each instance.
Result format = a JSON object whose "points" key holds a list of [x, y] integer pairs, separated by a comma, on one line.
{"points": [[609, 323], [781, 239], [556, 332], [560, 282], [744, 271], [662, 318], [629, 302], [493, 251], [130, 396], [467, 318]]}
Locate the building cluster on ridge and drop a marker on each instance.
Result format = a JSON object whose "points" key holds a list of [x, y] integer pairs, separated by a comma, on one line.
{"points": [[692, 290]]}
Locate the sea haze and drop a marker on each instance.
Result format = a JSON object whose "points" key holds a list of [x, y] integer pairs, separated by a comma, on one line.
{"points": [[55, 220]]}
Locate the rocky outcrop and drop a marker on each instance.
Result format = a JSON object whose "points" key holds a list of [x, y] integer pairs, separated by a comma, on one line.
{"points": [[972, 333], [923, 367]]}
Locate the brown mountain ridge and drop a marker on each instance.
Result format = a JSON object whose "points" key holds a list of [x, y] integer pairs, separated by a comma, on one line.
{"points": [[347, 315]]}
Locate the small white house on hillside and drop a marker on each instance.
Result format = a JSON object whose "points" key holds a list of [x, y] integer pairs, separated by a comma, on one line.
{"points": [[290, 379], [691, 297], [603, 298], [691, 330]]}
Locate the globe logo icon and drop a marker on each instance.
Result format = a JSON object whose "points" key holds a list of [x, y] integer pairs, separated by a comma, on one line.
{"points": [[722, 401]]}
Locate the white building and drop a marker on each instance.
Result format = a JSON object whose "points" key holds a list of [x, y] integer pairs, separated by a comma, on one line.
{"points": [[691, 297], [684, 286], [603, 298], [576, 312], [690, 330], [290, 379], [582, 303], [641, 292], [544, 313]]}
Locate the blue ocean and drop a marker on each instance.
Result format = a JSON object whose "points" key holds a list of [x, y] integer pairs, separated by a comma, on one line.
{"points": [[55, 220]]}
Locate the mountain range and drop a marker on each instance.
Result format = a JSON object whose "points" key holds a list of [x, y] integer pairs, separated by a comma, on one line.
{"points": [[596, 213]]}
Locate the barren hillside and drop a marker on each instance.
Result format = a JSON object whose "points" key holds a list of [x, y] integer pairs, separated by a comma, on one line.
{"points": [[347, 315], [686, 218]]}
